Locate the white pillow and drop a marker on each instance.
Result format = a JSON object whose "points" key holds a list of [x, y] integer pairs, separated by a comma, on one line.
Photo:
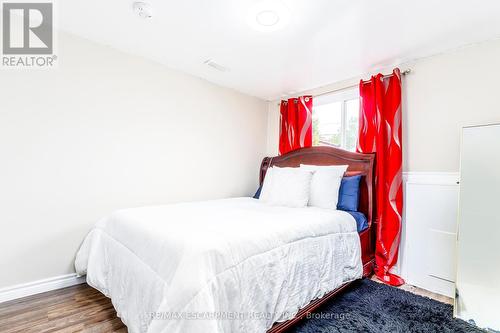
{"points": [[325, 185], [286, 187]]}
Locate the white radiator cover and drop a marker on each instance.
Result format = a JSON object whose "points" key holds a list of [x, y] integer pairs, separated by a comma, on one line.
{"points": [[427, 257]]}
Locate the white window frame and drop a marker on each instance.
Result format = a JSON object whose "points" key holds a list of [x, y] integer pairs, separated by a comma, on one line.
{"points": [[342, 96]]}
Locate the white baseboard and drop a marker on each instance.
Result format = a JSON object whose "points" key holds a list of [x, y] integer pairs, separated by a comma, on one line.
{"points": [[40, 286]]}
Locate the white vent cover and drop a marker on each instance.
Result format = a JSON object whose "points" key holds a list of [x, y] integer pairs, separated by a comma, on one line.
{"points": [[216, 66]]}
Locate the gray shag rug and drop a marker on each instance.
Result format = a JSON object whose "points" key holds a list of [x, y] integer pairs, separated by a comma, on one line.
{"points": [[369, 306]]}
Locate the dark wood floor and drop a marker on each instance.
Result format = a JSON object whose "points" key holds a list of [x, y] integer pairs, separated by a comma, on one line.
{"points": [[74, 309], [82, 309]]}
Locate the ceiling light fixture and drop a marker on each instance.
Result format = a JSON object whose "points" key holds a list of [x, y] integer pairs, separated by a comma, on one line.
{"points": [[268, 15], [267, 18]]}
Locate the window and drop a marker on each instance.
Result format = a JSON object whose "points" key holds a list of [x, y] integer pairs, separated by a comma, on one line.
{"points": [[335, 120]]}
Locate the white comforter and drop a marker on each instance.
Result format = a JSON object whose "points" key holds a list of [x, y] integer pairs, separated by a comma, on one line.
{"points": [[234, 265]]}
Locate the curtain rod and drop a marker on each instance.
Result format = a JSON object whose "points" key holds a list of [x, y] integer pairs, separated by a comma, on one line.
{"points": [[403, 73]]}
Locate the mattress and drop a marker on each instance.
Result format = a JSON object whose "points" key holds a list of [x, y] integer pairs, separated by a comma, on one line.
{"points": [[233, 265]]}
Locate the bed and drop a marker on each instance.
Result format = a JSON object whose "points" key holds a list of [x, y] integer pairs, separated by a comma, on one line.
{"points": [[232, 265]]}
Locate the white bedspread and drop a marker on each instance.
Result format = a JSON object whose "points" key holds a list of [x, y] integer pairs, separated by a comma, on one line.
{"points": [[234, 265]]}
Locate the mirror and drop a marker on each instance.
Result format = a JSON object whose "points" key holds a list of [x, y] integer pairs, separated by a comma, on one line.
{"points": [[478, 239]]}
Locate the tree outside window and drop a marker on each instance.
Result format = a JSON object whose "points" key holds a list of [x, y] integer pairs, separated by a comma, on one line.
{"points": [[335, 122]]}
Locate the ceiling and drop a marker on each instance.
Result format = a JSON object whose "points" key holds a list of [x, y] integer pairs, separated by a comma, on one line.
{"points": [[325, 41]]}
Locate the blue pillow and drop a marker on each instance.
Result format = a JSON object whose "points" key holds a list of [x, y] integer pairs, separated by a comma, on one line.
{"points": [[257, 194], [349, 193], [361, 220]]}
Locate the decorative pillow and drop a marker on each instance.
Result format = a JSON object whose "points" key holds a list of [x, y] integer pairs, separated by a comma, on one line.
{"points": [[257, 194], [325, 184], [361, 220], [349, 193], [286, 187]]}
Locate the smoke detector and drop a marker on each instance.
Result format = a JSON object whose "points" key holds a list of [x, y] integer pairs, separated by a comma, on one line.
{"points": [[142, 9]]}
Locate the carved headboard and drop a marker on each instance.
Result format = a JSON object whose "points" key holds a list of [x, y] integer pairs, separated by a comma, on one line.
{"points": [[359, 164]]}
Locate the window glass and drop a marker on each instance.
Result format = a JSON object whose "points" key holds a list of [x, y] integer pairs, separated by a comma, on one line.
{"points": [[335, 121], [327, 124], [352, 124]]}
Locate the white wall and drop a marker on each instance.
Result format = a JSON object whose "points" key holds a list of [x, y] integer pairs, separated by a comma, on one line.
{"points": [[443, 94], [104, 131]]}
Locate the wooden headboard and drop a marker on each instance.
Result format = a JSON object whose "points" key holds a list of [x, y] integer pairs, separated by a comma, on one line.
{"points": [[362, 164], [358, 164]]}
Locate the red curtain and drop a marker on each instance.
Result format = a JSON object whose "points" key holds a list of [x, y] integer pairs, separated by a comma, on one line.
{"points": [[380, 133], [295, 124]]}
